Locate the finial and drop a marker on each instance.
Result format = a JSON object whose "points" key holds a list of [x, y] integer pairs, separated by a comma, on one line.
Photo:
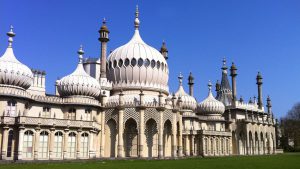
{"points": [[224, 67], [180, 77], [104, 21], [10, 35], [209, 86], [80, 53], [137, 21]]}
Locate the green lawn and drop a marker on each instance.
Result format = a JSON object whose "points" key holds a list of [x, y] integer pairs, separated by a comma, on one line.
{"points": [[283, 161]]}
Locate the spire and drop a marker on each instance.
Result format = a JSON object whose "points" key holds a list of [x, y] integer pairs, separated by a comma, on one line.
{"points": [[180, 77], [224, 94], [80, 53], [10, 35], [269, 105], [137, 21]]}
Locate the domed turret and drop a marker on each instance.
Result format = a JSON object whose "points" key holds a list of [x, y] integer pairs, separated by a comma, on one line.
{"points": [[188, 102], [12, 71], [137, 64], [79, 82], [211, 106]]}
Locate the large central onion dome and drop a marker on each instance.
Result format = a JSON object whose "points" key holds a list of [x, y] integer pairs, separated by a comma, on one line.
{"points": [[79, 83], [188, 101], [12, 71], [211, 106], [136, 64]]}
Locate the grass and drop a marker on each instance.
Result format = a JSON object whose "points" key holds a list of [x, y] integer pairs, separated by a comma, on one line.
{"points": [[283, 161]]}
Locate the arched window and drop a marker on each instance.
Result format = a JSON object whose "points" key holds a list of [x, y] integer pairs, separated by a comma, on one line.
{"points": [[120, 63], [126, 62], [84, 145], [133, 62], [88, 115], [43, 145], [9, 143], [72, 145], [11, 109], [72, 114], [115, 63], [58, 141], [140, 62], [46, 112], [27, 144], [147, 62], [205, 146], [152, 63]]}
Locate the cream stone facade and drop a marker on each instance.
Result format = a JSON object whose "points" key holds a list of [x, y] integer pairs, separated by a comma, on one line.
{"points": [[121, 107]]}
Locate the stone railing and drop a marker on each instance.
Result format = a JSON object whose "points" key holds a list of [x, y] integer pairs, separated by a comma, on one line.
{"points": [[257, 121], [23, 120], [215, 133]]}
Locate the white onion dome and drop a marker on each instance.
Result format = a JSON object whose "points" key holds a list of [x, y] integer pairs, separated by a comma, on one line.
{"points": [[78, 83], [12, 71], [188, 101], [137, 64], [211, 106]]}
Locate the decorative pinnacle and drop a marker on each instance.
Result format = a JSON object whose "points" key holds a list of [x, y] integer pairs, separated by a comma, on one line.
{"points": [[180, 77], [80, 53], [10, 35], [137, 21], [209, 86], [224, 67]]}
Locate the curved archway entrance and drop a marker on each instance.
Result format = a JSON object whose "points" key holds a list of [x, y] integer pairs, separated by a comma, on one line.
{"points": [[151, 134], [167, 138], [110, 139], [131, 138]]}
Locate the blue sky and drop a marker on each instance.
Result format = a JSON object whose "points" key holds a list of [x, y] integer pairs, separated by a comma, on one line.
{"points": [[257, 35]]}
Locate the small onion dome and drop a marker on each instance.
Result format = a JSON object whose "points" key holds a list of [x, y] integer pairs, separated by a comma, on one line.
{"points": [[211, 106], [137, 64], [12, 71], [79, 82], [188, 102], [104, 27]]}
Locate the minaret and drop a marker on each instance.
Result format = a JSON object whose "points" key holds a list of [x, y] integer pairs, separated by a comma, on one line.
{"points": [[103, 39], [224, 94], [164, 51], [259, 87], [233, 75], [191, 84], [269, 105]]}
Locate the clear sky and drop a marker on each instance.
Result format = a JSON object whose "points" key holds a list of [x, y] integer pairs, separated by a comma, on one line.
{"points": [[258, 35]]}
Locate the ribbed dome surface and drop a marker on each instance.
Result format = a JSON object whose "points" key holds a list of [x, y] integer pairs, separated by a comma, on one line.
{"points": [[211, 106], [137, 64], [12, 71], [188, 101], [78, 83]]}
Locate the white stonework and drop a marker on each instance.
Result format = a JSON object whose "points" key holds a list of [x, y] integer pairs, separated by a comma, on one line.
{"points": [[127, 112]]}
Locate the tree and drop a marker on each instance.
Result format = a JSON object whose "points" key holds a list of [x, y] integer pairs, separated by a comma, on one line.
{"points": [[290, 125]]}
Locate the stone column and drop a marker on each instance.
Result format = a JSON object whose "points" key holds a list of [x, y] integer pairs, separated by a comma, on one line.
{"points": [[160, 135], [141, 133], [78, 144], [91, 145], [51, 143], [248, 143], [174, 133], [20, 143], [192, 145], [4, 142], [180, 137], [203, 145], [36, 143], [120, 133], [187, 147], [102, 141], [65, 145]]}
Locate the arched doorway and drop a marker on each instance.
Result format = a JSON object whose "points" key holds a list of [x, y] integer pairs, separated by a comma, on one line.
{"points": [[234, 143], [110, 138], [131, 138], [250, 143], [167, 138], [257, 148], [262, 143], [241, 143], [151, 134]]}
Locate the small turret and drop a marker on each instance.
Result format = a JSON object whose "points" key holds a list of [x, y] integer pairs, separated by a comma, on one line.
{"points": [[104, 32], [191, 84], [259, 87], [164, 51]]}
